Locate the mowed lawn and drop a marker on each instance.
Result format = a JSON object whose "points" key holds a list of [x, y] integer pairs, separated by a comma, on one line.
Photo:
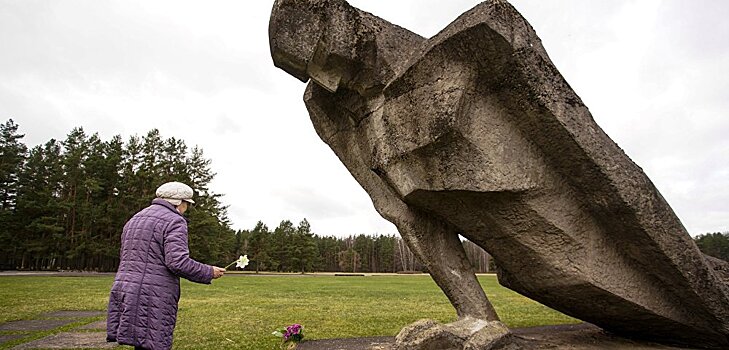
{"points": [[241, 311]]}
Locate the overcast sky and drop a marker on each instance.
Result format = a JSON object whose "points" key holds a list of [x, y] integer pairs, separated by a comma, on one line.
{"points": [[654, 74]]}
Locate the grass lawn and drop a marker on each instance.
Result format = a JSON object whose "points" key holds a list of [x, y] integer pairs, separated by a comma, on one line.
{"points": [[241, 311]]}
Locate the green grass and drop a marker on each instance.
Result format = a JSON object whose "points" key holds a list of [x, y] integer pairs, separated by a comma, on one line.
{"points": [[240, 312]]}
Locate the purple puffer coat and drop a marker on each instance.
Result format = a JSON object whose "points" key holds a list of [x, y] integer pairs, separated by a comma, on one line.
{"points": [[154, 255]]}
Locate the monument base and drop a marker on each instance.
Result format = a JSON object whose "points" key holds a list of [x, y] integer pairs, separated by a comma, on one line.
{"points": [[582, 336]]}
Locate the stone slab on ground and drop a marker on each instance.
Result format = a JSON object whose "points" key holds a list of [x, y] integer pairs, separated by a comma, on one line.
{"points": [[563, 337], [582, 336], [73, 314], [368, 343], [95, 325], [8, 337], [69, 340], [34, 325]]}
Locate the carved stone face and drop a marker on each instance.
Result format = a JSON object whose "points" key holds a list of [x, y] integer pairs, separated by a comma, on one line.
{"points": [[294, 31], [315, 39]]}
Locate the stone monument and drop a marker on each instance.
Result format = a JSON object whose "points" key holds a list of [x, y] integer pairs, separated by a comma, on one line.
{"points": [[475, 132]]}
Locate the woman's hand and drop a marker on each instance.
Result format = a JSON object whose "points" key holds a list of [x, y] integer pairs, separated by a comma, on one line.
{"points": [[218, 272]]}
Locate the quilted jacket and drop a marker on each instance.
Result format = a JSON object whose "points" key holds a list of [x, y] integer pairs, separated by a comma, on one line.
{"points": [[154, 255]]}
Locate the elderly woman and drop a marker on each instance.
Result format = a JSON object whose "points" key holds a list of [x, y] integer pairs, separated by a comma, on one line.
{"points": [[154, 255]]}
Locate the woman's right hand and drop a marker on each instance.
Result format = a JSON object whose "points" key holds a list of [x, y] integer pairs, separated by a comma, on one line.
{"points": [[218, 272]]}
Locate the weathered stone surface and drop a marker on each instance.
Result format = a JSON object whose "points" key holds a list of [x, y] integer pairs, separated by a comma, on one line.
{"points": [[495, 335], [466, 333], [475, 132], [428, 335], [720, 267]]}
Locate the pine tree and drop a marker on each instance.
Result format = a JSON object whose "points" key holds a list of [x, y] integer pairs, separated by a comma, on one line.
{"points": [[149, 171], [173, 161], [259, 246], [12, 156], [386, 252], [281, 246], [242, 243], [209, 221], [75, 153], [41, 228], [133, 194], [303, 249], [112, 212], [328, 248], [349, 259], [364, 248]]}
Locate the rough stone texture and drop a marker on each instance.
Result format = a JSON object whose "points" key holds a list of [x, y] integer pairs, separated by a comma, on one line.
{"points": [[34, 325], [720, 267], [495, 336], [475, 132], [85, 340], [466, 333], [428, 335]]}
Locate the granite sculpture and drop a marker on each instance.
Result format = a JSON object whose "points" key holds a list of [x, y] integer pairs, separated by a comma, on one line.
{"points": [[475, 132]]}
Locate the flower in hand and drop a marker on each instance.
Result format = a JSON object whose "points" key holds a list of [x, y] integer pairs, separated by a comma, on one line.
{"points": [[242, 262]]}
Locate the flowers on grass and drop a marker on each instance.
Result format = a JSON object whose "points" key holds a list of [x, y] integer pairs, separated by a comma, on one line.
{"points": [[242, 262], [290, 335]]}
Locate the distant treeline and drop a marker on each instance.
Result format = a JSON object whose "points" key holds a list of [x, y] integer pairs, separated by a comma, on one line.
{"points": [[64, 203], [296, 249], [715, 244]]}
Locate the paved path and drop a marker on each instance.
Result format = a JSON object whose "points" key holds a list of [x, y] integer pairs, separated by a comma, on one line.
{"points": [[55, 273], [70, 340], [92, 334]]}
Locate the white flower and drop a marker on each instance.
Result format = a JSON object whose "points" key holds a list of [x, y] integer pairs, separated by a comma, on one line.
{"points": [[242, 262]]}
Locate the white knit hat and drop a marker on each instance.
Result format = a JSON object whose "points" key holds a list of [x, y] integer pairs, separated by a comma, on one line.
{"points": [[175, 193]]}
